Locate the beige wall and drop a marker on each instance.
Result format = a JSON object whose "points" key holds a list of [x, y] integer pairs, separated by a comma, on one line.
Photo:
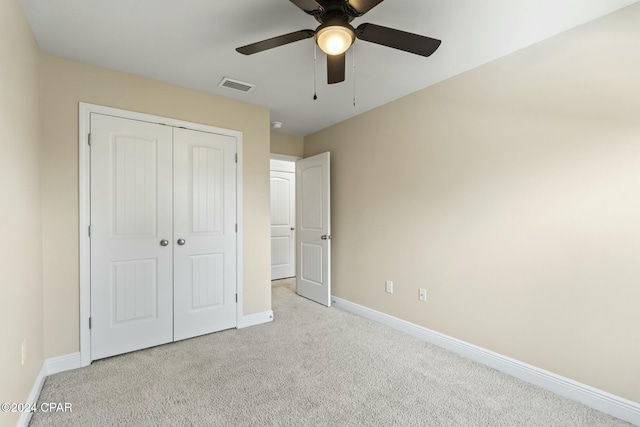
{"points": [[284, 143], [512, 194], [20, 225], [64, 83]]}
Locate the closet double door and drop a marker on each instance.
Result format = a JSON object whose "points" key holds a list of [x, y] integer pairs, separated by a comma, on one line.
{"points": [[163, 234]]}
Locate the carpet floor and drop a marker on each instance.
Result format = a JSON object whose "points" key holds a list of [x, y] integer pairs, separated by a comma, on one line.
{"points": [[311, 366]]}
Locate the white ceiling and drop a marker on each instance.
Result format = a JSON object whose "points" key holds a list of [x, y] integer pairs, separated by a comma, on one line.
{"points": [[192, 43]]}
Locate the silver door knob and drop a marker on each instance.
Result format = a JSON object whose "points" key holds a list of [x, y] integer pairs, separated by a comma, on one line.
{"points": [[164, 242], [181, 242], [325, 237]]}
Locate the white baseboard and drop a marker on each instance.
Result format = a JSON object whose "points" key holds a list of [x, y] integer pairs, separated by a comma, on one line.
{"points": [[256, 319], [25, 417], [616, 406], [63, 363], [49, 367]]}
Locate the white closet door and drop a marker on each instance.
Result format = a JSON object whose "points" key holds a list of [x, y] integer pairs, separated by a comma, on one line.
{"points": [[283, 213], [131, 214], [314, 228], [204, 233]]}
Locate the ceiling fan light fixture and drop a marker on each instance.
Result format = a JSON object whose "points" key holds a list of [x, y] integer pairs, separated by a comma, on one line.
{"points": [[335, 39]]}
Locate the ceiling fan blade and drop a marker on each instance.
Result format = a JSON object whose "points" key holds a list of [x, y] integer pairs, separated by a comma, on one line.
{"points": [[250, 49], [409, 42], [309, 6], [363, 6], [336, 65]]}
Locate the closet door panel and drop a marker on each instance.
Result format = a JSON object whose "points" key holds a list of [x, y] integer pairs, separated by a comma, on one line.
{"points": [[131, 213], [204, 233]]}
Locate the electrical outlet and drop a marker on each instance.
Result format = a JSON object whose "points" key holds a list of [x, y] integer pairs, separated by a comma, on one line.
{"points": [[23, 349], [423, 294], [389, 286]]}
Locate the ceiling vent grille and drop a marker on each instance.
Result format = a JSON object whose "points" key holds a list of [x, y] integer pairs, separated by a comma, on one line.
{"points": [[236, 85]]}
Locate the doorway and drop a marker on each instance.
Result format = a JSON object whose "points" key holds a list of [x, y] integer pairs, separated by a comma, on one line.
{"points": [[300, 194], [283, 216]]}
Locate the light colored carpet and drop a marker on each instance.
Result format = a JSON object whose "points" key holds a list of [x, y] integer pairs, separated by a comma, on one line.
{"points": [[312, 366]]}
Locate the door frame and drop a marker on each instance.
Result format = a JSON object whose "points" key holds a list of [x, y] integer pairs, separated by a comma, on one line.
{"points": [[275, 165], [84, 197], [286, 158]]}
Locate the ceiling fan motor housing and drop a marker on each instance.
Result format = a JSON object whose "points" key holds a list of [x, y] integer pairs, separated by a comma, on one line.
{"points": [[334, 17], [338, 10]]}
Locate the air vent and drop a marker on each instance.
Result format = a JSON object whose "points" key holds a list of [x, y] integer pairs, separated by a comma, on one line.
{"points": [[236, 85]]}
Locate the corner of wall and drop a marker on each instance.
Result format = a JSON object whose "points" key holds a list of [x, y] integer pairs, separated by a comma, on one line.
{"points": [[287, 144]]}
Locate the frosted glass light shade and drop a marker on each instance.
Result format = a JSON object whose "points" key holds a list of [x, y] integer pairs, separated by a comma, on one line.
{"points": [[335, 39]]}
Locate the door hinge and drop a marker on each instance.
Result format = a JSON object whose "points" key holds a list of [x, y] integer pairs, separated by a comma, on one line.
{"points": [[236, 157], [89, 322], [89, 231], [89, 140], [236, 297], [236, 228]]}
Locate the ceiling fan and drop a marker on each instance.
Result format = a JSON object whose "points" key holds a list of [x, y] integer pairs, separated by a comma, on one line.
{"points": [[335, 35]]}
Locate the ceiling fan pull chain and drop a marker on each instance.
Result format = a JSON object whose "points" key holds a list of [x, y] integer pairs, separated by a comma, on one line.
{"points": [[315, 77], [354, 75]]}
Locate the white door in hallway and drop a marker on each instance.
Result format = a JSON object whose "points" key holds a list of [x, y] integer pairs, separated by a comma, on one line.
{"points": [[131, 234], [205, 233], [283, 213], [163, 234], [313, 243]]}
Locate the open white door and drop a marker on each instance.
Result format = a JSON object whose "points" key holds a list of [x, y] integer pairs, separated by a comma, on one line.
{"points": [[313, 242]]}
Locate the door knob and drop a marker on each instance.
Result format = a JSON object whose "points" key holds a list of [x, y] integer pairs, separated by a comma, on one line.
{"points": [[164, 242], [325, 237], [293, 228], [181, 242]]}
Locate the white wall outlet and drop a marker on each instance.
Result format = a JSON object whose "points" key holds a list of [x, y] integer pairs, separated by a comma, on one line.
{"points": [[23, 349], [388, 286], [423, 294]]}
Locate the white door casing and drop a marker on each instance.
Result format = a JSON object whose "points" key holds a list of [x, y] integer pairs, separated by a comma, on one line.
{"points": [[204, 233], [131, 213], [313, 242], [283, 212]]}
